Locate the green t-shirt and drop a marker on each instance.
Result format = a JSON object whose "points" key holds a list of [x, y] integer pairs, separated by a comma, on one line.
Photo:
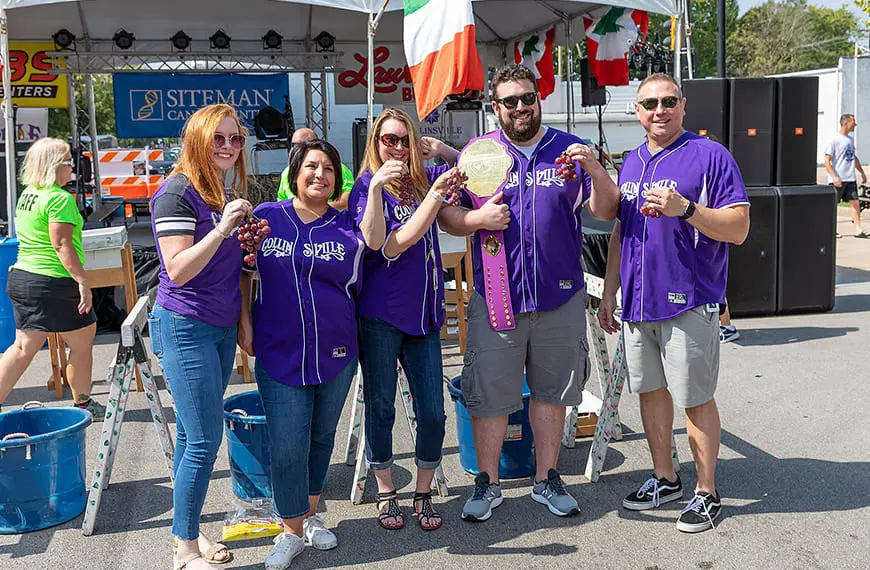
{"points": [[37, 207], [284, 191]]}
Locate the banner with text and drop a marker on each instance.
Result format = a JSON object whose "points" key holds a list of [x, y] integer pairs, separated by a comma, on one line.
{"points": [[157, 105], [392, 78], [33, 83]]}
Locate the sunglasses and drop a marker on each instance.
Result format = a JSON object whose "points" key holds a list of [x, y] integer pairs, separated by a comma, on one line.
{"points": [[68, 162], [511, 101], [391, 140], [236, 141], [651, 103]]}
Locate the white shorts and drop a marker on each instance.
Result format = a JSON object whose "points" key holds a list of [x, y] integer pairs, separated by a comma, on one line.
{"points": [[680, 354]]}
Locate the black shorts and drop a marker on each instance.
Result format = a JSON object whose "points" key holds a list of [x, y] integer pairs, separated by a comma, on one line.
{"points": [[43, 303], [848, 191]]}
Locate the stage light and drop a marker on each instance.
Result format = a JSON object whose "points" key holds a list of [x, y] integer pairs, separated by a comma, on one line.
{"points": [[272, 40], [63, 39], [180, 41], [123, 39], [220, 40], [325, 41]]}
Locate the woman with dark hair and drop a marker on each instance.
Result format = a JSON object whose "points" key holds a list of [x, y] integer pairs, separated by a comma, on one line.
{"points": [[303, 330], [193, 325]]}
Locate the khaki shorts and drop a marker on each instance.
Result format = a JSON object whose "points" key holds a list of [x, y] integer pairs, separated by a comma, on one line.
{"points": [[550, 346], [680, 354]]}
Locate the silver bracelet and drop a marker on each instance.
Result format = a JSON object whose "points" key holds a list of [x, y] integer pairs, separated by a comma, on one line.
{"points": [[437, 196], [220, 233]]}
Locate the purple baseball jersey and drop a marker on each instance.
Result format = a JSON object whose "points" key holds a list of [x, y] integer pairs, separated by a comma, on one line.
{"points": [[213, 296], [668, 267], [544, 240], [406, 291], [304, 315]]}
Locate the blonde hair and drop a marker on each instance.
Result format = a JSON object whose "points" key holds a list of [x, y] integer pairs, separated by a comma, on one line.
{"points": [[372, 159], [197, 156], [42, 161]]}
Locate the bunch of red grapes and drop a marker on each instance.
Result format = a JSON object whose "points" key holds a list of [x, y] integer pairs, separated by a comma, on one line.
{"points": [[648, 210], [252, 231], [456, 183], [567, 168]]}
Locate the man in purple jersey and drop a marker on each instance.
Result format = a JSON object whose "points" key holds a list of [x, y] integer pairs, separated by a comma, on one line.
{"points": [[683, 201], [543, 248]]}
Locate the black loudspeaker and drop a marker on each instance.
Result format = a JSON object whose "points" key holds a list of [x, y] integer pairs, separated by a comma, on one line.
{"points": [[752, 266], [797, 130], [707, 108], [360, 137], [751, 134], [807, 248], [591, 94]]}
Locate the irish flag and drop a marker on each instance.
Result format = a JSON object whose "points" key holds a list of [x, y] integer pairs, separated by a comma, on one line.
{"points": [[441, 51], [536, 53], [609, 34]]}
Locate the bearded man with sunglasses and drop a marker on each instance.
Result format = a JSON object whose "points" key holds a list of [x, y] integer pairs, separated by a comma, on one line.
{"points": [[542, 247], [683, 200]]}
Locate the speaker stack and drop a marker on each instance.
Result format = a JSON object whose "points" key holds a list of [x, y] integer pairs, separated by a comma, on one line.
{"points": [[788, 262]]}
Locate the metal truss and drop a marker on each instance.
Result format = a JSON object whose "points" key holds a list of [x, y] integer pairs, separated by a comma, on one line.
{"points": [[192, 62], [316, 103]]}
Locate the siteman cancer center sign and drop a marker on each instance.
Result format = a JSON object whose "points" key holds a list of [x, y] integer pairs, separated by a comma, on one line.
{"points": [[157, 105]]}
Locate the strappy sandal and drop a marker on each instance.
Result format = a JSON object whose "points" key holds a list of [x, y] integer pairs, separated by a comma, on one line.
{"points": [[181, 563], [433, 519], [392, 511], [213, 554]]}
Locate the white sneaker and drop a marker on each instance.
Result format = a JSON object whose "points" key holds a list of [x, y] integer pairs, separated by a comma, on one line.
{"points": [[287, 547], [317, 535]]}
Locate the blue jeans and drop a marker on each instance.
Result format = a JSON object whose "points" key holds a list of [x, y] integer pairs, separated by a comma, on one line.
{"points": [[301, 423], [197, 360], [381, 347]]}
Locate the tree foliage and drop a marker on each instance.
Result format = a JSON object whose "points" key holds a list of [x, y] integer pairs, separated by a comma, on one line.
{"points": [[705, 31], [104, 103], [781, 37]]}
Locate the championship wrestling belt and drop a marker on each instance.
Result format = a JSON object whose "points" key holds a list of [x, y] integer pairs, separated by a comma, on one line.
{"points": [[487, 164]]}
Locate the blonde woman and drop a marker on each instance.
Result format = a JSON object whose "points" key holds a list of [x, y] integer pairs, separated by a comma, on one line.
{"points": [[193, 324], [47, 285]]}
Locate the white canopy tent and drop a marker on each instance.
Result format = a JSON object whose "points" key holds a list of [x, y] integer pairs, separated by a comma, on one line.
{"points": [[95, 22]]}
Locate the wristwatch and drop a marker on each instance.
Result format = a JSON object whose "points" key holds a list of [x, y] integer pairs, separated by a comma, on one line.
{"points": [[689, 211]]}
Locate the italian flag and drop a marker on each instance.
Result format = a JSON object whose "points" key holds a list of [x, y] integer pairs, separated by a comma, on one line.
{"points": [[441, 51], [536, 53], [609, 34]]}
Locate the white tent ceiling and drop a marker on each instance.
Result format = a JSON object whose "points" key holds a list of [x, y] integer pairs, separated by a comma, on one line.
{"points": [[247, 20]]}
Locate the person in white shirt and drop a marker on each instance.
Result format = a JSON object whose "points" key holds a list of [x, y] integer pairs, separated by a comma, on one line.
{"points": [[841, 162]]}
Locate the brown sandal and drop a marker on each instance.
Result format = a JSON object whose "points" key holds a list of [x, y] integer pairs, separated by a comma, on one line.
{"points": [[433, 519], [392, 511]]}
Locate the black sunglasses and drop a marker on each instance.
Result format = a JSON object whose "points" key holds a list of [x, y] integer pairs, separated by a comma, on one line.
{"points": [[511, 101], [236, 141], [651, 103], [391, 140]]}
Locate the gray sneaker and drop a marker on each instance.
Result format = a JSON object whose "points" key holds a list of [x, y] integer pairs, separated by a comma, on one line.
{"points": [[95, 408], [486, 497], [552, 493]]}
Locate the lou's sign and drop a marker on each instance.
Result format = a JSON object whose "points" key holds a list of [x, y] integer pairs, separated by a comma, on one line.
{"points": [[392, 76]]}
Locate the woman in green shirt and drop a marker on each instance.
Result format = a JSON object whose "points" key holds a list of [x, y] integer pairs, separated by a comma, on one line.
{"points": [[47, 285]]}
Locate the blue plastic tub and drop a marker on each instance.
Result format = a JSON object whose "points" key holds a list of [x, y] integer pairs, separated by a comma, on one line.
{"points": [[518, 450], [8, 255], [42, 475], [117, 213], [248, 446]]}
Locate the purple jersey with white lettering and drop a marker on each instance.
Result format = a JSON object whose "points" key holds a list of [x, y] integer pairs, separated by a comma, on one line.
{"points": [[544, 240], [406, 291], [305, 328], [668, 267], [213, 295]]}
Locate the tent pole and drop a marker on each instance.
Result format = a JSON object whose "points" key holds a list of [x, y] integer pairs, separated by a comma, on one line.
{"points": [[95, 144], [374, 19], [569, 100], [11, 188], [688, 28], [678, 46]]}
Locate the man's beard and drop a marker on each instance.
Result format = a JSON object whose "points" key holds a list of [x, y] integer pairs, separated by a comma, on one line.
{"points": [[521, 134]]}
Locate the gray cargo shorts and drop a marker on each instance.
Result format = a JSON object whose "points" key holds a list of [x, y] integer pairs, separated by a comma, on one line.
{"points": [[550, 346]]}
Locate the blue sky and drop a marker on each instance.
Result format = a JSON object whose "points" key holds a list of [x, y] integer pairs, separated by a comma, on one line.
{"points": [[747, 4]]}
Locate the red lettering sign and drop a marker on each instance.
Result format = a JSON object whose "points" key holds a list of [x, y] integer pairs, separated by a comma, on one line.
{"points": [[387, 79]]}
